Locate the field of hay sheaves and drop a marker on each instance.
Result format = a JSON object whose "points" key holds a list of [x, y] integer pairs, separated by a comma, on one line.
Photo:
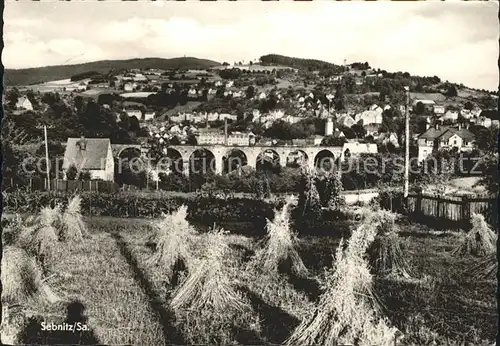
{"points": [[96, 274], [108, 272], [451, 304]]}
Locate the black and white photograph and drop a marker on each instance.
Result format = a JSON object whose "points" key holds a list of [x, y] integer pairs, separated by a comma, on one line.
{"points": [[250, 173]]}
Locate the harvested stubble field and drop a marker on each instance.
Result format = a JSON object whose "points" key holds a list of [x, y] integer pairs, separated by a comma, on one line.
{"points": [[126, 298]]}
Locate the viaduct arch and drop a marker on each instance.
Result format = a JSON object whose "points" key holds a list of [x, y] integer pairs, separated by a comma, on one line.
{"points": [[308, 154]]}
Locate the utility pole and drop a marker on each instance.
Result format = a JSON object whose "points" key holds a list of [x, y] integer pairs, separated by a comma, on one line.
{"points": [[46, 154], [407, 142], [225, 131]]}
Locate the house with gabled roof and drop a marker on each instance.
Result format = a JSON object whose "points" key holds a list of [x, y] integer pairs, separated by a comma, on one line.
{"points": [[346, 120], [388, 137], [444, 137], [428, 104], [90, 154], [24, 103]]}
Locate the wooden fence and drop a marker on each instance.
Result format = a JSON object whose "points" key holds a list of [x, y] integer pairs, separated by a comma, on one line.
{"points": [[451, 211], [91, 185]]}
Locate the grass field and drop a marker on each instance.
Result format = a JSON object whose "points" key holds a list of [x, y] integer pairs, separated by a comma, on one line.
{"points": [[126, 300]]}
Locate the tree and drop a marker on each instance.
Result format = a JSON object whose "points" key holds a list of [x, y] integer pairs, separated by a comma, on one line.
{"points": [[489, 169], [84, 176], [134, 125], [359, 130], [12, 96], [330, 187], [469, 105], [105, 99], [339, 99], [486, 138], [191, 140], [250, 91], [71, 173], [419, 108], [175, 141], [78, 102], [309, 202], [183, 98], [220, 92], [436, 171], [56, 149], [452, 91], [348, 132], [331, 141]]}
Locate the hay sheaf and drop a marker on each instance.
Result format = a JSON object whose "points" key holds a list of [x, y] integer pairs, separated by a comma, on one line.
{"points": [[41, 239], [486, 269], [479, 241], [173, 238], [207, 302], [22, 279], [386, 255], [279, 250], [208, 285], [73, 227], [347, 312]]}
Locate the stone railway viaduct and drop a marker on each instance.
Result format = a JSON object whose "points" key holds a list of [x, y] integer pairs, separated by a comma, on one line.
{"points": [[252, 154]]}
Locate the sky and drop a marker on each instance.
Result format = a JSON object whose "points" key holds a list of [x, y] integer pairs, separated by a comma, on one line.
{"points": [[457, 41]]}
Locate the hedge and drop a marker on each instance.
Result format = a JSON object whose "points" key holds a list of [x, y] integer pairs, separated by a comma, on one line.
{"points": [[146, 205], [203, 210]]}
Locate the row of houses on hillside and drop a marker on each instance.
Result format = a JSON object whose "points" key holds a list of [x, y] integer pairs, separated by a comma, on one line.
{"points": [[147, 115], [202, 117], [215, 136], [449, 114]]}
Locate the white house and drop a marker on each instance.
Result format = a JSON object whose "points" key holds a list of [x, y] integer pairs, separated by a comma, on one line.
{"points": [[356, 148], [90, 154], [439, 137], [224, 116], [81, 86], [346, 120], [262, 96], [370, 116], [428, 104], [467, 114], [256, 114], [388, 137], [139, 77], [316, 139], [149, 116], [213, 116], [129, 86], [450, 115], [237, 94], [133, 113], [439, 110], [24, 103], [482, 121]]}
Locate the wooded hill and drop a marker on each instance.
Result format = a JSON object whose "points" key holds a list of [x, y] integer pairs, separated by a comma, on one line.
{"points": [[38, 75]]}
